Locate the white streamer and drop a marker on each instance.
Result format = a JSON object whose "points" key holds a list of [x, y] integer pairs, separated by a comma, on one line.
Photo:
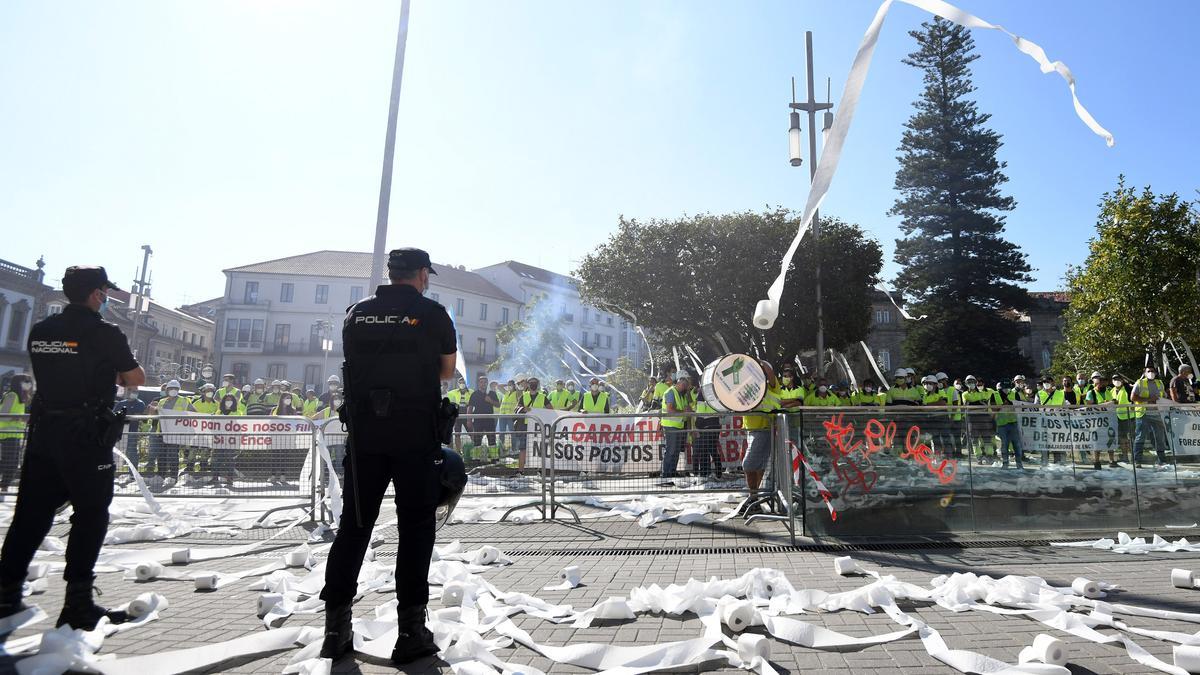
{"points": [[768, 310]]}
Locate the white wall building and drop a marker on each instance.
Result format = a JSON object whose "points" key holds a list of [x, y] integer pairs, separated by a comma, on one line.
{"points": [[606, 335], [21, 295], [275, 315]]}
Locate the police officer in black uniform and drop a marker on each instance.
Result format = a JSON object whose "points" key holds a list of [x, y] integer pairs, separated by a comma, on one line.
{"points": [[399, 346], [78, 358]]}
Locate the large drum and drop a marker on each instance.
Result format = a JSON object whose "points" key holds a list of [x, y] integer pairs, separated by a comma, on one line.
{"points": [[734, 383]]}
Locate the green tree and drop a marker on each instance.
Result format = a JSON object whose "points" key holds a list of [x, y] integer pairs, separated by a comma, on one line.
{"points": [[628, 379], [1139, 287], [688, 280], [533, 344], [957, 266]]}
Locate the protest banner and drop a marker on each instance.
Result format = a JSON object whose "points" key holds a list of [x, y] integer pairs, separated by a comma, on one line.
{"points": [[197, 430], [1184, 430], [1066, 430]]}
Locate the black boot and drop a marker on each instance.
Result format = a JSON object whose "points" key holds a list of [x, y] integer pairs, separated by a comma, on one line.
{"points": [[81, 612], [414, 641], [10, 600], [339, 634]]}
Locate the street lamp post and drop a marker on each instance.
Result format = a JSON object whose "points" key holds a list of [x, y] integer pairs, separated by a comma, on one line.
{"points": [[811, 106], [139, 290]]}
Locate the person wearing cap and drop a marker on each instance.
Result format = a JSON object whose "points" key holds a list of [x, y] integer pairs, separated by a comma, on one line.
{"points": [[868, 395], [228, 386], [1099, 394], [333, 385], [1148, 420], [172, 404], [595, 399], [258, 401], [399, 346], [573, 395], [821, 396], [560, 398], [1181, 389], [77, 357], [678, 399]]}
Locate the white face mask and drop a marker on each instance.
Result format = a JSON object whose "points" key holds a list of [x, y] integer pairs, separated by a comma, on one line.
{"points": [[1116, 383], [229, 384], [1151, 376], [930, 387], [462, 385], [1080, 382], [286, 400], [337, 402], [333, 387], [1049, 386], [172, 393], [228, 405], [259, 390], [823, 389], [958, 386], [508, 388], [28, 386], [208, 395], [869, 390], [131, 395], [570, 387], [595, 388]]}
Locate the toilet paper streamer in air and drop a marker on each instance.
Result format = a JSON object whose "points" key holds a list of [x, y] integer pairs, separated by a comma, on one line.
{"points": [[1045, 649], [767, 310], [569, 578]]}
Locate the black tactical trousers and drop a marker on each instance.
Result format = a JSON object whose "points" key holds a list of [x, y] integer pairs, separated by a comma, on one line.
{"points": [[411, 470], [62, 464]]}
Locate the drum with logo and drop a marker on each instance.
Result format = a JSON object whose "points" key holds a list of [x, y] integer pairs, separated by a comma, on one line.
{"points": [[734, 383]]}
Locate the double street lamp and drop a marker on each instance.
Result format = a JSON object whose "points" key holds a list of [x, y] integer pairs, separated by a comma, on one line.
{"points": [[811, 106]]}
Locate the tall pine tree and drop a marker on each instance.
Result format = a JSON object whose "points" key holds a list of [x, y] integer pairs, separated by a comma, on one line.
{"points": [[957, 266]]}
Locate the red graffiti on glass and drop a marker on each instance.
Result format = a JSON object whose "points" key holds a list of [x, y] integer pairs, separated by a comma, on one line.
{"points": [[851, 461], [879, 435], [921, 453]]}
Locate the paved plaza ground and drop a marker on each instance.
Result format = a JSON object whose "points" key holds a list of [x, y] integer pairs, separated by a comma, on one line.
{"points": [[618, 555]]}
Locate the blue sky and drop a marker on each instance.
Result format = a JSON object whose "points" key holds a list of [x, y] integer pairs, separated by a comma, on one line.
{"points": [[224, 133]]}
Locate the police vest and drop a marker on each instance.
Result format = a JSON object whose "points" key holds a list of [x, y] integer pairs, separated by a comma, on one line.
{"points": [[393, 353], [682, 403], [595, 403]]}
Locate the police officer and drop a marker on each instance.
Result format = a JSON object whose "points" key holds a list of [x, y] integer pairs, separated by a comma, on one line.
{"points": [[399, 346], [77, 359]]}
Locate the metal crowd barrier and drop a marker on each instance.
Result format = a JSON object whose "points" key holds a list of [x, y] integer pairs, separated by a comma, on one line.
{"points": [[897, 469]]}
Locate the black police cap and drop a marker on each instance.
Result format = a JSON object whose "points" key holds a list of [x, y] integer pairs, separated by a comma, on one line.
{"points": [[408, 259], [86, 279]]}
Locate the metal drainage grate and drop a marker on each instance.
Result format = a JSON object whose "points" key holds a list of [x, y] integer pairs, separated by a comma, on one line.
{"points": [[727, 550]]}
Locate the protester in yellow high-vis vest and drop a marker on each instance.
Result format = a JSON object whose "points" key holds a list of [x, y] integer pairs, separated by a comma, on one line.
{"points": [[1006, 426], [460, 396], [758, 428], [533, 398], [1148, 419], [1120, 400], [13, 406], [572, 395], [507, 409], [678, 399], [206, 402], [1099, 394], [706, 456], [228, 386], [560, 398], [646, 400], [594, 400]]}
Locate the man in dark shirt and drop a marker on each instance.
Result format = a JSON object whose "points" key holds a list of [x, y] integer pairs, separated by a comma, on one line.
{"points": [[77, 359], [482, 402], [1181, 388], [399, 346]]}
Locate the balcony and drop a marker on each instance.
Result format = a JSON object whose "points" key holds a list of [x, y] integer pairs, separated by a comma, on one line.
{"points": [[474, 358]]}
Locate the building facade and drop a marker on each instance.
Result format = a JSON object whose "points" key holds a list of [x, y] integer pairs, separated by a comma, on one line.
{"points": [[22, 302], [282, 319], [605, 335]]}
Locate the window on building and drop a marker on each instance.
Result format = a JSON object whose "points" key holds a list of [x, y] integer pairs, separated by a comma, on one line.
{"points": [[608, 341], [356, 294], [460, 308], [883, 316], [276, 371], [322, 294], [241, 372], [884, 359], [251, 295], [312, 377], [54, 309], [283, 335], [608, 320], [483, 311], [481, 343], [585, 337], [286, 292], [256, 334], [596, 316], [185, 336], [201, 342], [607, 364], [16, 325], [1045, 355], [503, 316]]}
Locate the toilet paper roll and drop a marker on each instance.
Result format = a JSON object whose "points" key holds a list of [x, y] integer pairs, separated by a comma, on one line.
{"points": [[147, 571], [1183, 578], [207, 582], [267, 601], [37, 571], [737, 615], [571, 575], [845, 565], [1187, 657], [296, 558], [182, 556], [453, 593], [144, 604], [765, 313], [37, 585], [1086, 587], [751, 646], [486, 555], [1046, 649]]}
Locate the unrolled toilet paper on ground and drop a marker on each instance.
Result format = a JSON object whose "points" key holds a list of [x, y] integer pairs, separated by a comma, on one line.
{"points": [[1046, 649], [1187, 657], [37, 571]]}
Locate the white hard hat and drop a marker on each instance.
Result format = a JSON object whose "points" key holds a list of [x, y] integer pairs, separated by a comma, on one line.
{"points": [[942, 376], [334, 378], [929, 379], [912, 371], [284, 383], [970, 378], [209, 387], [259, 381], [900, 372], [173, 384], [276, 383]]}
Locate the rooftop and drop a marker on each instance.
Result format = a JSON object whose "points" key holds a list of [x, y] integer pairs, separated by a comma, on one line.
{"points": [[536, 274], [357, 265]]}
